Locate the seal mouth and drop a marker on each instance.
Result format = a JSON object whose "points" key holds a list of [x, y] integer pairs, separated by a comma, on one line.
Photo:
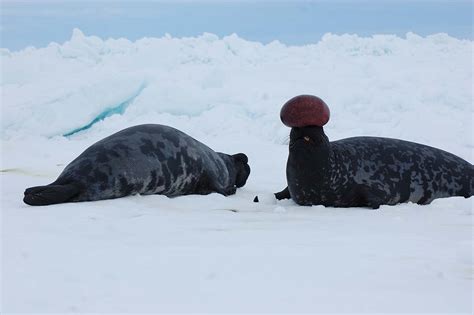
{"points": [[305, 139]]}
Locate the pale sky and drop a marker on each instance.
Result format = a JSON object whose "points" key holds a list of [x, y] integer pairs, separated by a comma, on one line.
{"points": [[36, 23]]}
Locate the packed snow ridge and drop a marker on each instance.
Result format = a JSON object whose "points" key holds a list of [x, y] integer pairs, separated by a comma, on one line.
{"points": [[383, 85]]}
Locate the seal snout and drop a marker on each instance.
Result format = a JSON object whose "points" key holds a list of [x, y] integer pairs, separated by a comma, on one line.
{"points": [[305, 140], [310, 135]]}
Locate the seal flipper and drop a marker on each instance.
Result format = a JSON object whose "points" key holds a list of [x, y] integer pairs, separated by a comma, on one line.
{"points": [[284, 194], [50, 194], [205, 186], [363, 196], [225, 191]]}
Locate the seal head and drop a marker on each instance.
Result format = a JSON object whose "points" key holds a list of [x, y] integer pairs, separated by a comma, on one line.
{"points": [[242, 169]]}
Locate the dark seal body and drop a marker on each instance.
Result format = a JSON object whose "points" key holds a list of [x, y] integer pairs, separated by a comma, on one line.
{"points": [[145, 159], [370, 171]]}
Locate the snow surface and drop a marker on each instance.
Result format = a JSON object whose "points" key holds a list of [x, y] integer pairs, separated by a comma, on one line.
{"points": [[217, 254]]}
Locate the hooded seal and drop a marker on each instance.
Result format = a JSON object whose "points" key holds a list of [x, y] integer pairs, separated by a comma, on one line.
{"points": [[364, 171], [144, 159]]}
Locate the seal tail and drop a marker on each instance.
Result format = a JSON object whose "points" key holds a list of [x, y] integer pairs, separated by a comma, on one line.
{"points": [[50, 194]]}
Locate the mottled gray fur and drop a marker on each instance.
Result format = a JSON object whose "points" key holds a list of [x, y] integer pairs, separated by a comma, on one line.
{"points": [[151, 159], [371, 171]]}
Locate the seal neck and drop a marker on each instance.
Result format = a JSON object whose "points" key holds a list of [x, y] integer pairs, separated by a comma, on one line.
{"points": [[309, 162], [229, 163]]}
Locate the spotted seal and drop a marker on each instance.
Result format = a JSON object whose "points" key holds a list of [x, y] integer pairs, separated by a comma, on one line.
{"points": [[363, 171], [144, 159]]}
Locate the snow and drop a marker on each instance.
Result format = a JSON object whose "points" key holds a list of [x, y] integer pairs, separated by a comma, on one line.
{"points": [[217, 254]]}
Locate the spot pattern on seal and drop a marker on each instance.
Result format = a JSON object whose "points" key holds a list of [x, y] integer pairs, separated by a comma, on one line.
{"points": [[145, 159], [367, 171]]}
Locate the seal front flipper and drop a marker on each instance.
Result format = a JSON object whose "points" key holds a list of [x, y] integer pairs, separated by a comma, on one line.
{"points": [[228, 191], [284, 194], [50, 194], [364, 196]]}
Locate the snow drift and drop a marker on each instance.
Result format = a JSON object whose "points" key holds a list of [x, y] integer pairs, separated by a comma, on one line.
{"points": [[383, 85]]}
